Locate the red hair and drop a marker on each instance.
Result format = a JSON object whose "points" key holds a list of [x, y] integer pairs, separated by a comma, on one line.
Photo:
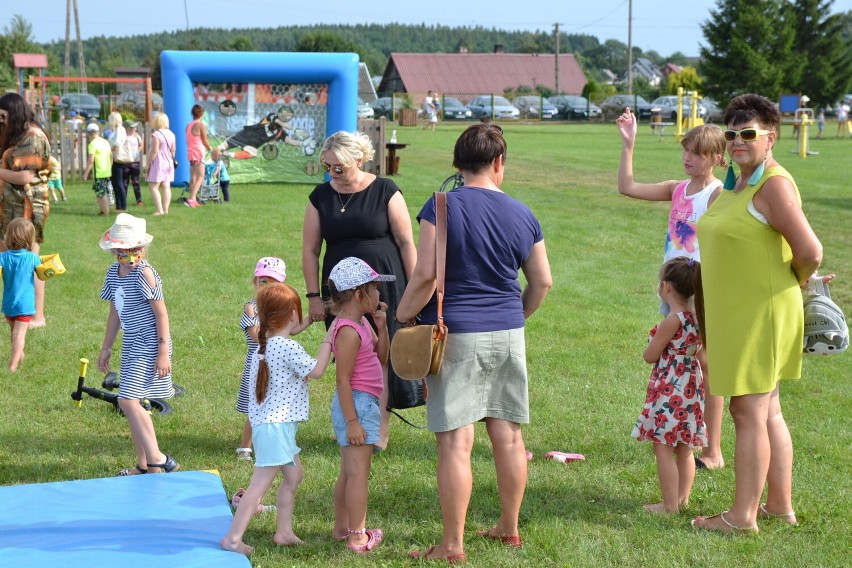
{"points": [[275, 304]]}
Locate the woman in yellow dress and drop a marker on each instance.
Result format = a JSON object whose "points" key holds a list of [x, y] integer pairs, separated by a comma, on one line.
{"points": [[757, 248]]}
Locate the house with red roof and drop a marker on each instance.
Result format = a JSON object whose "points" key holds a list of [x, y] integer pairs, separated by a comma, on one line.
{"points": [[466, 75]]}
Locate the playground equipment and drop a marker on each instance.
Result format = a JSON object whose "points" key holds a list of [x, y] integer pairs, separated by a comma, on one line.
{"points": [[693, 119], [803, 117], [111, 382]]}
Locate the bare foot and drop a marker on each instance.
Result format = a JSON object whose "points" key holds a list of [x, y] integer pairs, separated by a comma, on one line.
{"points": [[287, 539], [658, 509], [239, 546], [335, 536]]}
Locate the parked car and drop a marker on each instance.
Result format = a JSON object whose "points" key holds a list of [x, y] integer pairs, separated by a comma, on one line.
{"points": [[572, 107], [454, 110], [668, 107], [136, 101], [81, 103], [535, 107], [494, 106], [613, 106], [382, 106], [714, 111], [364, 110]]}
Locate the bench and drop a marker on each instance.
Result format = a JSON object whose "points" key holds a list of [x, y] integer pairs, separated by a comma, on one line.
{"points": [[660, 128]]}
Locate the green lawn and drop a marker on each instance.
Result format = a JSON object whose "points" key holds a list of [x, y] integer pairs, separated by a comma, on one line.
{"points": [[587, 376]]}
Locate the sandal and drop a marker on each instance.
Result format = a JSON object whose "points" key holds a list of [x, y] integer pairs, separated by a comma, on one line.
{"points": [[563, 457], [459, 558], [764, 514], [168, 466], [728, 526], [510, 541], [128, 471], [374, 537]]}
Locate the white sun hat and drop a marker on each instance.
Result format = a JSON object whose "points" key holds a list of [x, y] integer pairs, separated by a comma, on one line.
{"points": [[127, 232]]}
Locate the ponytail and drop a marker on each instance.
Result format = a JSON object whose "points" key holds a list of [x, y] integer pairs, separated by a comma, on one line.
{"points": [[262, 383], [698, 300]]}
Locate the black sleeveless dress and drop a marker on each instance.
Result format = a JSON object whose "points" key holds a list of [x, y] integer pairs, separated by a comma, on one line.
{"points": [[357, 225]]}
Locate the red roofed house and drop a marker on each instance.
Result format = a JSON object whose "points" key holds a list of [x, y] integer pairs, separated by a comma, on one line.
{"points": [[467, 75]]}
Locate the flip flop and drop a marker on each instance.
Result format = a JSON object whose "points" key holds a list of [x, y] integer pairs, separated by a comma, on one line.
{"points": [[728, 527], [563, 457]]}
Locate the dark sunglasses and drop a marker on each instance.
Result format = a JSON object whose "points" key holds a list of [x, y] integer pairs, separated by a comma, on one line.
{"points": [[747, 134], [338, 168]]}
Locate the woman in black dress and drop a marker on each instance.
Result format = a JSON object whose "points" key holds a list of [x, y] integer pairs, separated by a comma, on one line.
{"points": [[361, 215]]}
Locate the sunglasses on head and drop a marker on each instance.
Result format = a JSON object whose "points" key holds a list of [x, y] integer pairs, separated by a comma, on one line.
{"points": [[337, 168], [746, 134]]}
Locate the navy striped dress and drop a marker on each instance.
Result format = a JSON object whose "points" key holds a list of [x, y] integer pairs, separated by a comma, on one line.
{"points": [[131, 297], [246, 322]]}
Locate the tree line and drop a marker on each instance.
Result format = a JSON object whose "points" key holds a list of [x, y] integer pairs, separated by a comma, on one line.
{"points": [[766, 46]]}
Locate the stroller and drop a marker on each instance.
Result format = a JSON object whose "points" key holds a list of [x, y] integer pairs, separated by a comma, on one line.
{"points": [[209, 190], [210, 186]]}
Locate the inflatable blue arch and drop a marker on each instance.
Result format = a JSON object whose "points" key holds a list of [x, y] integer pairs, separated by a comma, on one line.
{"points": [[180, 69]]}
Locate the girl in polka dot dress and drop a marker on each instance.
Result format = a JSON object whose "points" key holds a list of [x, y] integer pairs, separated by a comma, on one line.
{"points": [[673, 416], [278, 402], [269, 269], [135, 294], [360, 355]]}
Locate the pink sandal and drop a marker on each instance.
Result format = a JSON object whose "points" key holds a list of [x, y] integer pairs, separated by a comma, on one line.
{"points": [[563, 457]]}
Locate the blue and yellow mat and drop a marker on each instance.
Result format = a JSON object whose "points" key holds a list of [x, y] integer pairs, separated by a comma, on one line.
{"points": [[174, 519]]}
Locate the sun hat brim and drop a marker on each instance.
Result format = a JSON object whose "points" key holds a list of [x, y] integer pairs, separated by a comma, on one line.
{"points": [[108, 243]]}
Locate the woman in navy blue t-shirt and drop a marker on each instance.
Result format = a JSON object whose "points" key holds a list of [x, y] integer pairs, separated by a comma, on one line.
{"points": [[490, 236]]}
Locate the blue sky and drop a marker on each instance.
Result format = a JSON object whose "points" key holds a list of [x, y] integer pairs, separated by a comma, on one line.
{"points": [[662, 25]]}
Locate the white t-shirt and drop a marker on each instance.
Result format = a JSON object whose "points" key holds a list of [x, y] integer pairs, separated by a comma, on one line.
{"points": [[287, 394]]}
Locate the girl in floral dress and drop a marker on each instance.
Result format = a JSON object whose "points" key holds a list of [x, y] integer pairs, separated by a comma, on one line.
{"points": [[673, 416], [703, 150]]}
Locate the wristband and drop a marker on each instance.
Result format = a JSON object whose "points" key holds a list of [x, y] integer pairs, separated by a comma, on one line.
{"points": [[312, 295]]}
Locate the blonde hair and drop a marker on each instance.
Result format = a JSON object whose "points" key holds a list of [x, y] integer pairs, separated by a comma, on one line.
{"points": [[20, 234], [161, 120], [349, 147], [114, 120], [708, 141]]}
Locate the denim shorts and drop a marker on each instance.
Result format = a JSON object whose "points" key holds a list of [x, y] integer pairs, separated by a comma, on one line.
{"points": [[368, 412], [274, 443]]}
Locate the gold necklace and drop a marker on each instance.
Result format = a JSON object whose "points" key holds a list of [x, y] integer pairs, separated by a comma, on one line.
{"points": [[343, 206]]}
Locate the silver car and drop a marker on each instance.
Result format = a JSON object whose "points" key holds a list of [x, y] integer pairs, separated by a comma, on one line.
{"points": [[668, 107], [493, 106]]}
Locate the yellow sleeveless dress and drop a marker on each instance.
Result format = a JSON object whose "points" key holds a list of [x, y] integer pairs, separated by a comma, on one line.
{"points": [[753, 304]]}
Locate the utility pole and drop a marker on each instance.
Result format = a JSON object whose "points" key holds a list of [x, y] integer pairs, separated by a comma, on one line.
{"points": [[629, 48], [556, 64], [67, 43], [80, 61]]}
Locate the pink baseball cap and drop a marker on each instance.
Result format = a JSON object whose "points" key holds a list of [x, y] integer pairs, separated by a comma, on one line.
{"points": [[272, 267]]}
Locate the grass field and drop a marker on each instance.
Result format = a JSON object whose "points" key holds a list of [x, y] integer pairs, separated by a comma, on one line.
{"points": [[587, 377]]}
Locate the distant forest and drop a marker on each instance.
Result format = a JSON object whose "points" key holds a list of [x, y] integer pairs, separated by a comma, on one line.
{"points": [[374, 43]]}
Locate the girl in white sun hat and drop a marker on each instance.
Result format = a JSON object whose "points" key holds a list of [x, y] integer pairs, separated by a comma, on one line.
{"points": [[135, 293]]}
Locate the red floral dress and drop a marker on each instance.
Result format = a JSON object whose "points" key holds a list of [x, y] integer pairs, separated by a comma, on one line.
{"points": [[674, 403]]}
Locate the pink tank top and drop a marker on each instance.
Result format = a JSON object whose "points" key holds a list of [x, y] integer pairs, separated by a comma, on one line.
{"points": [[367, 373], [194, 145]]}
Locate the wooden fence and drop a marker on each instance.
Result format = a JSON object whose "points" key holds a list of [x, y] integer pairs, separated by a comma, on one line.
{"points": [[69, 143]]}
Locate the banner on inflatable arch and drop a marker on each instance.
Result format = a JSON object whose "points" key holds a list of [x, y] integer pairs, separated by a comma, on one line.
{"points": [[269, 113]]}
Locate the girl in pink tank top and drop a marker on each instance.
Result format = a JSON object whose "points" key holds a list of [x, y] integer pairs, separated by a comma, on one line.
{"points": [[361, 357]]}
